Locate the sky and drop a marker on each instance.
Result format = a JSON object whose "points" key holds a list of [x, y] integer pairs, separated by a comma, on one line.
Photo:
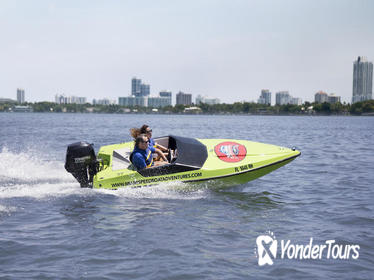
{"points": [[226, 49]]}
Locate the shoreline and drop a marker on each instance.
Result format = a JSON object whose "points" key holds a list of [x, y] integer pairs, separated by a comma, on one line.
{"points": [[365, 108], [199, 114]]}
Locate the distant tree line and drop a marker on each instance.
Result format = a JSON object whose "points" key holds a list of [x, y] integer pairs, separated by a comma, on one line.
{"points": [[359, 108]]}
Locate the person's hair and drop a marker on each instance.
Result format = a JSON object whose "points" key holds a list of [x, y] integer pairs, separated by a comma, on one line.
{"points": [[135, 132], [138, 139], [143, 129]]}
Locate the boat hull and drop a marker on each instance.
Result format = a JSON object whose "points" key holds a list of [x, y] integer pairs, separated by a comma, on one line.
{"points": [[244, 177], [239, 163]]}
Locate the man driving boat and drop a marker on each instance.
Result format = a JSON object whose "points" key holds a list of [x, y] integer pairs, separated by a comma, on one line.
{"points": [[141, 157]]}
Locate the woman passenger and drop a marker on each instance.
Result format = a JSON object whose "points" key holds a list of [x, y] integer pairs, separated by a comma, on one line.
{"points": [[154, 147]]}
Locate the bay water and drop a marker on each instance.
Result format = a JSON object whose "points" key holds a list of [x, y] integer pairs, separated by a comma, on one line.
{"points": [[50, 228]]}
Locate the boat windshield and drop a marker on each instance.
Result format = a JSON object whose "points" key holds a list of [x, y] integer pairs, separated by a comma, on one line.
{"points": [[189, 151], [188, 154]]}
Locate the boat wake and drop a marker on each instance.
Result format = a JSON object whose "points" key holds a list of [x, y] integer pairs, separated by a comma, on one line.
{"points": [[27, 175], [170, 190]]}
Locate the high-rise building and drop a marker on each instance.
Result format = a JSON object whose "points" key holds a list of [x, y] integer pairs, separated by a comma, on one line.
{"points": [[139, 89], [157, 102], [321, 97], [282, 98], [362, 80], [199, 99], [184, 98], [165, 93], [265, 97], [145, 90], [139, 94], [163, 100], [20, 95], [206, 100], [104, 101], [77, 100], [131, 101], [62, 99], [135, 86], [168, 95], [332, 98], [296, 101]]}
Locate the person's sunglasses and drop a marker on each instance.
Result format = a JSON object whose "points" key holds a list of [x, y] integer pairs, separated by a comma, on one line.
{"points": [[149, 130]]}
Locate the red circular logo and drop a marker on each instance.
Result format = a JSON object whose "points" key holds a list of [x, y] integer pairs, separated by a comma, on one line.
{"points": [[230, 151]]}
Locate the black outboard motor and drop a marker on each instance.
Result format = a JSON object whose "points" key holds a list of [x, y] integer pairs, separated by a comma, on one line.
{"points": [[81, 163]]}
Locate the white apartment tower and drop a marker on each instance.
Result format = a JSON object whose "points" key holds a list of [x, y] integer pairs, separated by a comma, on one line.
{"points": [[362, 80], [20, 95]]}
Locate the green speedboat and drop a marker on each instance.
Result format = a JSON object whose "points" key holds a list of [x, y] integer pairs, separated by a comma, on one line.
{"points": [[222, 161]]}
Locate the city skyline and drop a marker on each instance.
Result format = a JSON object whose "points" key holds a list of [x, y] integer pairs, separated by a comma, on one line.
{"points": [[83, 48], [281, 98], [139, 89], [140, 93]]}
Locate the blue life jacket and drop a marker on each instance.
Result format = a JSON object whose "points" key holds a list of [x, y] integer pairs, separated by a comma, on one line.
{"points": [[141, 158], [152, 143]]}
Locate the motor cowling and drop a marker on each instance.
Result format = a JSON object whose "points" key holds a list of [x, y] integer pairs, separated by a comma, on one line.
{"points": [[81, 162]]}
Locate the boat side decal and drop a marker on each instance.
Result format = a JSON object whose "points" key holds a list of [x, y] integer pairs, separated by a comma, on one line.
{"points": [[158, 179], [243, 167], [230, 151]]}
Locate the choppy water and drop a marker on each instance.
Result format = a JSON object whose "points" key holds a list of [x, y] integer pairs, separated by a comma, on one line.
{"points": [[50, 228]]}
